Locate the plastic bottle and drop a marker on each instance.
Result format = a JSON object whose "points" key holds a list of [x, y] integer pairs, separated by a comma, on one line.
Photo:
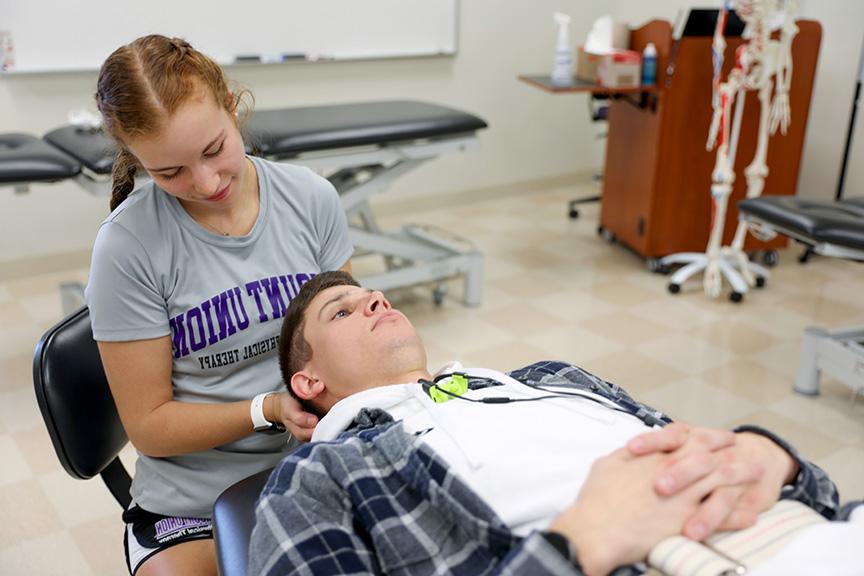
{"points": [[562, 67], [649, 65]]}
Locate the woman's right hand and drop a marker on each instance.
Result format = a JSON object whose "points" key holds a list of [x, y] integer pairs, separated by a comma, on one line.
{"points": [[286, 409]]}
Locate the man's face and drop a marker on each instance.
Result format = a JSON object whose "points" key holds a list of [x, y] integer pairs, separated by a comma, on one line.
{"points": [[359, 342]]}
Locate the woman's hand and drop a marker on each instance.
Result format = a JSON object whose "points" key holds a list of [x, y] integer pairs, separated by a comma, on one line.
{"points": [[284, 408]]}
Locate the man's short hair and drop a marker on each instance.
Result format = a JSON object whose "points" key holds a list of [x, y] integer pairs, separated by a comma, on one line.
{"points": [[294, 349]]}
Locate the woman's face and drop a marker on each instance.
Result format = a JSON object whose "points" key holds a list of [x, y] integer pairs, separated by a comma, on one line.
{"points": [[198, 156]]}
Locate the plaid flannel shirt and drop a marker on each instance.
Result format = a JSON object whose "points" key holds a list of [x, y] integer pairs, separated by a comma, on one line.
{"points": [[376, 501]]}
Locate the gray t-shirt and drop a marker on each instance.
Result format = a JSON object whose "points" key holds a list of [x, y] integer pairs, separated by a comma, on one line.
{"points": [[156, 272]]}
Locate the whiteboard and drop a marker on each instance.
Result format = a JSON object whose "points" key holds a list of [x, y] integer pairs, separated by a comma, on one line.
{"points": [[57, 35]]}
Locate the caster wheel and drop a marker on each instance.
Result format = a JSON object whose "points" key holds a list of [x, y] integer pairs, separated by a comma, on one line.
{"points": [[606, 235], [438, 294], [760, 282], [736, 297], [656, 267], [574, 213], [674, 288], [770, 258]]}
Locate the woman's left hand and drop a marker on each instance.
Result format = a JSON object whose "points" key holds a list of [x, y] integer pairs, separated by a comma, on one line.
{"points": [[286, 409]]}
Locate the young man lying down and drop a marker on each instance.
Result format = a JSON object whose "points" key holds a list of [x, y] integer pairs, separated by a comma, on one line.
{"points": [[545, 470]]}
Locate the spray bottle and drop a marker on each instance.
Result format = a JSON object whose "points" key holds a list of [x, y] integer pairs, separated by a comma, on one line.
{"points": [[562, 67]]}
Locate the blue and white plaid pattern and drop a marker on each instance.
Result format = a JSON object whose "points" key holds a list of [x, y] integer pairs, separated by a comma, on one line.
{"points": [[376, 501]]}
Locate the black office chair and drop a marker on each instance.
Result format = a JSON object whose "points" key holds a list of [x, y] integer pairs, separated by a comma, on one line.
{"points": [[233, 520], [598, 111], [77, 405], [87, 434]]}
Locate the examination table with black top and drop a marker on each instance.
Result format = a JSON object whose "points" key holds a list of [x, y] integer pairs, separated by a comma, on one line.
{"points": [[360, 147], [827, 228]]}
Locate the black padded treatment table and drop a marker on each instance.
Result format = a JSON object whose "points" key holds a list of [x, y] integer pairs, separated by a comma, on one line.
{"points": [[360, 147], [830, 229], [26, 159]]}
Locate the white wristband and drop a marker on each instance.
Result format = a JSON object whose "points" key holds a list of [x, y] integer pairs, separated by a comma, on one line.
{"points": [[256, 411]]}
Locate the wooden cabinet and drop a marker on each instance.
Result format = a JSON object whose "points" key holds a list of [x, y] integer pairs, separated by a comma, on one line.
{"points": [[656, 192]]}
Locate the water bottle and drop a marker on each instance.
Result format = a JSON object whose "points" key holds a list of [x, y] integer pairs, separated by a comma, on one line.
{"points": [[649, 65]]}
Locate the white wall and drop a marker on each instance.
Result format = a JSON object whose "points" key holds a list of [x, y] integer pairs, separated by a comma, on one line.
{"points": [[854, 185], [532, 135], [836, 71], [842, 33]]}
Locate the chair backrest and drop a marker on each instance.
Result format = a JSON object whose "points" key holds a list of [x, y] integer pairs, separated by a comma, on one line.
{"points": [[233, 520], [77, 405], [598, 107]]}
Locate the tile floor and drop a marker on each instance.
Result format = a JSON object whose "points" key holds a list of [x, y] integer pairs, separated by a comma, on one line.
{"points": [[553, 289]]}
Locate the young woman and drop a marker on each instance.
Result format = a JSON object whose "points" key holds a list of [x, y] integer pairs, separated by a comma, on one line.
{"points": [[191, 275]]}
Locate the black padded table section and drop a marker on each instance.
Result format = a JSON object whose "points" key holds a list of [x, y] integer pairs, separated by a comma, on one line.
{"points": [[25, 158], [822, 221], [90, 147], [290, 131], [287, 132], [853, 204], [233, 521]]}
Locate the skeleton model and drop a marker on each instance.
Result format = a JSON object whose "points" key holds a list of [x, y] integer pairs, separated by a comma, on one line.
{"points": [[763, 65]]}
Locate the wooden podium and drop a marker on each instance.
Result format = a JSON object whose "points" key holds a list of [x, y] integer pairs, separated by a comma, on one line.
{"points": [[657, 180]]}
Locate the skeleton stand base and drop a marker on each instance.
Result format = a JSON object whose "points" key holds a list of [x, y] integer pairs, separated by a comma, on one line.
{"points": [[726, 264]]}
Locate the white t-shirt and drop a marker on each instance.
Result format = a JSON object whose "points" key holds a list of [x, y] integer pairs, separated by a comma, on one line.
{"points": [[504, 452], [156, 272]]}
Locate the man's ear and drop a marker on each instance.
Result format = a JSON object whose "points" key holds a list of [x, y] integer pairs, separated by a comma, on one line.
{"points": [[306, 386]]}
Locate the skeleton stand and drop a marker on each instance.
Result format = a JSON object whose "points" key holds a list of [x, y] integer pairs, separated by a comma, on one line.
{"points": [[759, 61]]}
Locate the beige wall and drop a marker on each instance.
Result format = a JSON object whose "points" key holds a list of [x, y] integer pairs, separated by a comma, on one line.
{"points": [[532, 135], [842, 32]]}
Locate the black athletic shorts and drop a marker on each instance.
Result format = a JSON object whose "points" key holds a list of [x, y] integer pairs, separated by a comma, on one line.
{"points": [[148, 533]]}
